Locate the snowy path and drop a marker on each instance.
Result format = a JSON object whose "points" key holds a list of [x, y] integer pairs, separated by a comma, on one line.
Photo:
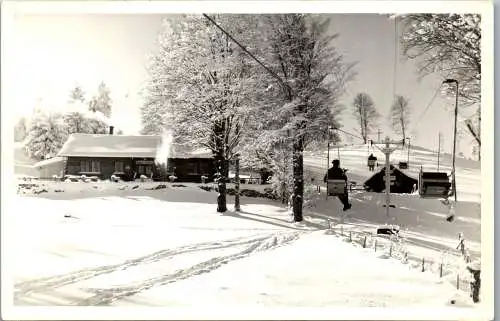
{"points": [[45, 290]]}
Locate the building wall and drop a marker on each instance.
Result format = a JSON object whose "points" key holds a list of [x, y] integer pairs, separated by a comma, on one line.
{"points": [[107, 165], [186, 170], [49, 170], [190, 169]]}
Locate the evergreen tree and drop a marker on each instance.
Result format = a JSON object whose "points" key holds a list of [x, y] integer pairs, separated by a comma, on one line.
{"points": [[46, 135]]}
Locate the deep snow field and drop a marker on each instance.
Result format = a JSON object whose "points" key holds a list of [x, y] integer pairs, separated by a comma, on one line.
{"points": [[108, 244]]}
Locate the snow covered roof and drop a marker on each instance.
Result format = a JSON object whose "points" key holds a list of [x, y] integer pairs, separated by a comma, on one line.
{"points": [[50, 161], [138, 146]]}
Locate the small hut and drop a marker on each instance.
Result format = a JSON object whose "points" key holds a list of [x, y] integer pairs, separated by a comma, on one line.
{"points": [[402, 183]]}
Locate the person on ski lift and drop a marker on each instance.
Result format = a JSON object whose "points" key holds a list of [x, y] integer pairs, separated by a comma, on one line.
{"points": [[371, 162], [335, 172]]}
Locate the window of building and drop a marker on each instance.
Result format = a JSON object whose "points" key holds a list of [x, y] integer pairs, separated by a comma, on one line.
{"points": [[144, 170], [119, 166], [90, 166]]}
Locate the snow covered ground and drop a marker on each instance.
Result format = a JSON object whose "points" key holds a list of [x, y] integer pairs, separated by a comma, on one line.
{"points": [[102, 244]]}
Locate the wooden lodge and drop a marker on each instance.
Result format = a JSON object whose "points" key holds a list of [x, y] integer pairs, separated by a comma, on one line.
{"points": [[129, 157]]}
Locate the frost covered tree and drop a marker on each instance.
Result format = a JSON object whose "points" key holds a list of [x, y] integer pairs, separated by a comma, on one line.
{"points": [[20, 129], [313, 76], [79, 119], [76, 122], [46, 135], [77, 95], [153, 116], [365, 113], [400, 116], [102, 101], [204, 87], [450, 45]]}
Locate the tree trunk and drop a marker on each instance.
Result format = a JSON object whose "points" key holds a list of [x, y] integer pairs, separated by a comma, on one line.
{"points": [[221, 184], [237, 184], [298, 179]]}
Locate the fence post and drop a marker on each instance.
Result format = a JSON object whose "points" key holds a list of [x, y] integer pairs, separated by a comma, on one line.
{"points": [[364, 242], [350, 236], [458, 281], [375, 247], [441, 270], [475, 285], [423, 264], [390, 251]]}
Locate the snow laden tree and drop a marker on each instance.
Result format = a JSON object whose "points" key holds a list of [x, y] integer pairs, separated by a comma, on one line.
{"points": [[46, 135], [102, 101], [450, 45], [153, 114], [20, 129], [205, 87], [365, 113], [400, 116], [77, 94], [79, 119], [313, 76]]}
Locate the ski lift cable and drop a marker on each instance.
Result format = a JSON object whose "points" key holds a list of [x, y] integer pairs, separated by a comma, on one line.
{"points": [[282, 83], [350, 134], [395, 57], [427, 107]]}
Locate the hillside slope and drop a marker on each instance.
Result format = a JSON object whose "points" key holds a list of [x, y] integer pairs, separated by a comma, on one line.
{"points": [[354, 158]]}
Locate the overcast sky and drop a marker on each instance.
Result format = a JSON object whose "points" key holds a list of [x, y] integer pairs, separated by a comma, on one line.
{"points": [[56, 52]]}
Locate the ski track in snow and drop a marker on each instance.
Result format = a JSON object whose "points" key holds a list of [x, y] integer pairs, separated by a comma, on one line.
{"points": [[107, 296]]}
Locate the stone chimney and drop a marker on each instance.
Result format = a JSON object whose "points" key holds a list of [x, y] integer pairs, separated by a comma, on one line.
{"points": [[111, 129]]}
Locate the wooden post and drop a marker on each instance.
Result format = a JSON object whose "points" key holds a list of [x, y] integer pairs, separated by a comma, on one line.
{"points": [[350, 236], [441, 270], [375, 246], [390, 251], [475, 285], [423, 264], [364, 242], [458, 281]]}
